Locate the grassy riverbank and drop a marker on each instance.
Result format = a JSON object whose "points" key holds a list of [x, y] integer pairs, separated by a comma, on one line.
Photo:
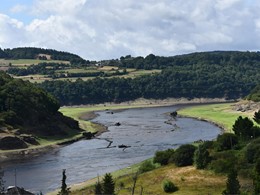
{"points": [[221, 114]]}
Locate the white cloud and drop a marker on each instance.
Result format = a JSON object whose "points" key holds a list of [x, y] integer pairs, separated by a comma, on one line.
{"points": [[102, 29]]}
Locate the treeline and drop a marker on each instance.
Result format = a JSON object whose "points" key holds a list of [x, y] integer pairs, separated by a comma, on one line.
{"points": [[32, 53], [41, 68], [222, 58], [30, 109], [190, 81]]}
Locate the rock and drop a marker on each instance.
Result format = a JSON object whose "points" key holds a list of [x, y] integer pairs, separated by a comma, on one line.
{"points": [[117, 124], [12, 142], [29, 139], [88, 135]]}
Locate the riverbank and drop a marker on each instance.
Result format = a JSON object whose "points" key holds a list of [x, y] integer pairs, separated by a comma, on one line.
{"points": [[85, 113]]}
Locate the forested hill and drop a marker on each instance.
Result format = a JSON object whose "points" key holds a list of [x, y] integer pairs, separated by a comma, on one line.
{"points": [[34, 53], [220, 74], [27, 109]]}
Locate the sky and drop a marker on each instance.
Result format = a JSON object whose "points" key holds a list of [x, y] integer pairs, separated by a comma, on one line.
{"points": [[109, 29]]}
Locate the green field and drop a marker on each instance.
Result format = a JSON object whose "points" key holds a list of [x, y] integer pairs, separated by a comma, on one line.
{"points": [[221, 114]]}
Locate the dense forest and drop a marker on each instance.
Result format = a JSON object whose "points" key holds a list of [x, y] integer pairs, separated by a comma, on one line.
{"points": [[33, 53], [28, 109], [229, 75]]}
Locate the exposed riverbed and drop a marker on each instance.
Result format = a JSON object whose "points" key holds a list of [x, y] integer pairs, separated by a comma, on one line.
{"points": [[145, 130]]}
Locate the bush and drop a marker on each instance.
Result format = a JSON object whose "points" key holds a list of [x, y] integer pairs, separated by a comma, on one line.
{"points": [[169, 187], [183, 156], [146, 166], [226, 141], [253, 151], [224, 162], [201, 156], [162, 157]]}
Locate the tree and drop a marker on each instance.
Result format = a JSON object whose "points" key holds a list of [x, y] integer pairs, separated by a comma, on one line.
{"points": [[98, 188], [243, 127], [162, 157], [201, 156], [108, 184], [232, 184], [257, 177], [64, 189], [183, 156], [2, 187], [257, 117], [226, 141]]}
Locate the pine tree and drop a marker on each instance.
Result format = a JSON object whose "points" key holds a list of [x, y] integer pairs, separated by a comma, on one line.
{"points": [[257, 177], [64, 189], [257, 117], [232, 185], [108, 184], [98, 188], [2, 187], [201, 157]]}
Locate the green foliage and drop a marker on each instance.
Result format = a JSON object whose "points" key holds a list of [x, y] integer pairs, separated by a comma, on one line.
{"points": [[243, 127], [169, 186], [163, 157], [98, 188], [252, 151], [226, 141], [257, 117], [64, 189], [108, 184], [31, 109], [227, 75], [257, 177], [223, 162], [32, 53], [183, 155], [201, 156], [147, 166], [232, 185], [255, 94]]}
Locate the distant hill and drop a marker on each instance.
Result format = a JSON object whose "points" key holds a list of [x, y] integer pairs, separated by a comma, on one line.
{"points": [[217, 74], [27, 110], [39, 53]]}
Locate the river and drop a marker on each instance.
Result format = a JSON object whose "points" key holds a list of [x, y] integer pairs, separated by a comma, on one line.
{"points": [[145, 130]]}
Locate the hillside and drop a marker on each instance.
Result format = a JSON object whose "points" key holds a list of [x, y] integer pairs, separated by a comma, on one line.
{"points": [[229, 75], [27, 112]]}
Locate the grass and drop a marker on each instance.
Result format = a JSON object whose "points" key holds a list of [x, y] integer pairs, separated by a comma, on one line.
{"points": [[221, 114], [188, 179]]}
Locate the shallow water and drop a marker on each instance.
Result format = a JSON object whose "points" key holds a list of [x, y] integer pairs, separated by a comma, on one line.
{"points": [[146, 130]]}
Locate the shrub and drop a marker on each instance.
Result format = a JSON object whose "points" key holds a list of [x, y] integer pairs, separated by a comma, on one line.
{"points": [[169, 187], [146, 166], [162, 157], [224, 162], [226, 141], [201, 157], [253, 151], [183, 156]]}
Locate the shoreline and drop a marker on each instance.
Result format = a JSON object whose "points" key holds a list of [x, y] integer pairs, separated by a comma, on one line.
{"points": [[6, 156]]}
